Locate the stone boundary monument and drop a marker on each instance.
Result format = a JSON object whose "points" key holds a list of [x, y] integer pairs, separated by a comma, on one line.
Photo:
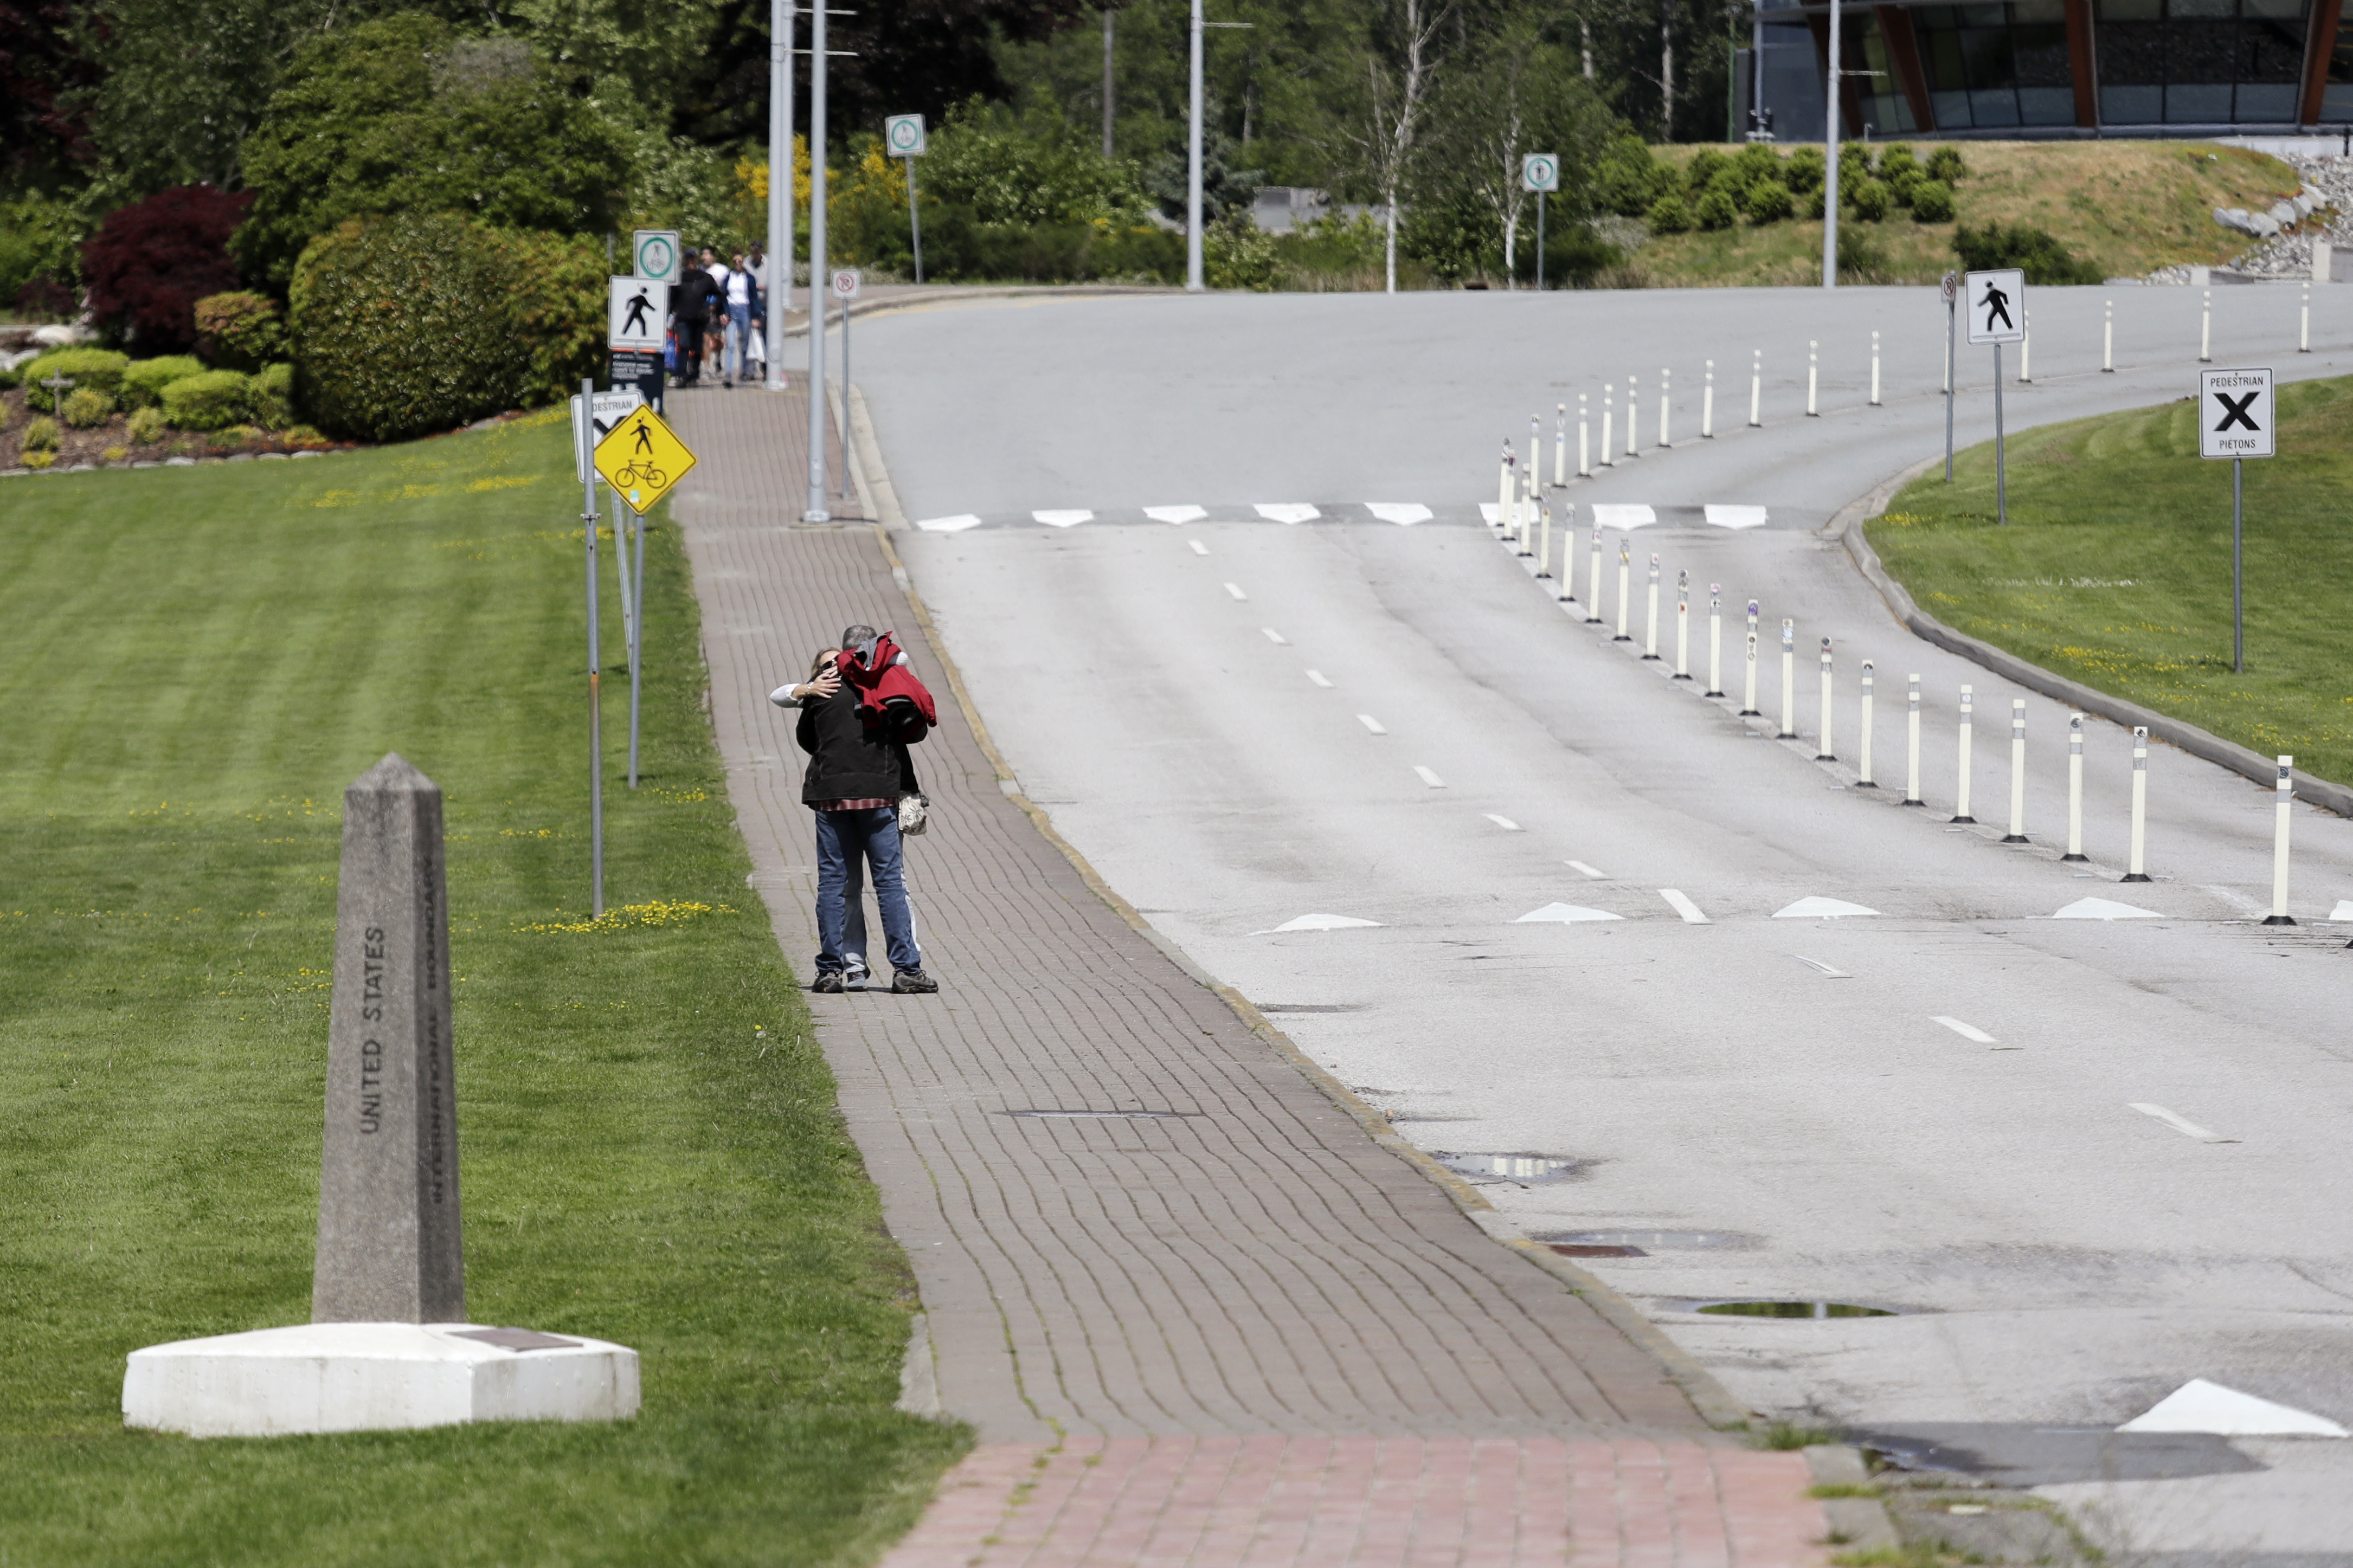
{"points": [[388, 1346]]}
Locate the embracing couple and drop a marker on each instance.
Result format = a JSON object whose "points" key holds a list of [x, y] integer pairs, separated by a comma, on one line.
{"points": [[860, 709]]}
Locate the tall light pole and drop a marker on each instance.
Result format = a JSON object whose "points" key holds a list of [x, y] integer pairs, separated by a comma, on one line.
{"points": [[1830, 168], [781, 16], [1108, 14], [1193, 281], [816, 512]]}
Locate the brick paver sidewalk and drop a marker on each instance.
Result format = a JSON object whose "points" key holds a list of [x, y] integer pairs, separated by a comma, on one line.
{"points": [[1235, 1331]]}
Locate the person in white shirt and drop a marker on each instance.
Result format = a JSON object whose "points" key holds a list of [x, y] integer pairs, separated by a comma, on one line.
{"points": [[738, 287], [731, 349]]}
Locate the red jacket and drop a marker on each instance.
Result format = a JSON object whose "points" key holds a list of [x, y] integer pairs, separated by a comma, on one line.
{"points": [[891, 703]]}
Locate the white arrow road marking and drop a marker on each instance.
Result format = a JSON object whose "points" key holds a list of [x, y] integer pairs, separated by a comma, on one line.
{"points": [[1174, 513], [1506, 822], [1582, 870], [2199, 1406], [955, 524], [1317, 923], [2104, 910], [1369, 723], [1286, 512], [2343, 912], [1736, 516], [1404, 514], [1317, 677], [1818, 963], [1070, 518], [1198, 548], [1623, 516], [1818, 908], [1966, 1031], [1564, 914], [1236, 590], [1432, 779], [1276, 638], [1682, 906], [2180, 1124]]}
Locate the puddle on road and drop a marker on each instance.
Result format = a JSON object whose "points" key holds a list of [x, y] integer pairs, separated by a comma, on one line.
{"points": [[1510, 1167], [1648, 1240], [1789, 1309]]}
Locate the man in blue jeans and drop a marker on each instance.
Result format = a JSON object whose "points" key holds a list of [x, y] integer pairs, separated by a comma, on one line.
{"points": [[853, 782]]}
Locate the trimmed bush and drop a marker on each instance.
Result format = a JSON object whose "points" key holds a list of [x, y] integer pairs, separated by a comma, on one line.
{"points": [[1803, 172], [274, 397], [2042, 258], [144, 380], [1871, 201], [150, 262], [101, 368], [1669, 215], [1769, 202], [1702, 171], [1631, 181], [1716, 210], [37, 460], [42, 435], [146, 426], [209, 400], [410, 324], [87, 408], [239, 331], [1932, 202], [1944, 164]]}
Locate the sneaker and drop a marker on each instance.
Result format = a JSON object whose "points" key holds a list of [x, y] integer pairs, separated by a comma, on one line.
{"points": [[829, 982], [854, 978], [912, 983]]}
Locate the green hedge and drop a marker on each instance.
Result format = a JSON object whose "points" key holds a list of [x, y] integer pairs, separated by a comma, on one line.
{"points": [[143, 382], [101, 368], [406, 325], [271, 399], [211, 401]]}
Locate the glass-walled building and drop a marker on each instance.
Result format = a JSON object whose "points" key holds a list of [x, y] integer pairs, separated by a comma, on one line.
{"points": [[2056, 68]]}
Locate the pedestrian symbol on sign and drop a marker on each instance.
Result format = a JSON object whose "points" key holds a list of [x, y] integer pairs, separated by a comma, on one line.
{"points": [[639, 304], [1996, 304], [638, 310]]}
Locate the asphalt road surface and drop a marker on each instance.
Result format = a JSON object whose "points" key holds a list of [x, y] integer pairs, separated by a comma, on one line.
{"points": [[2079, 1162]]}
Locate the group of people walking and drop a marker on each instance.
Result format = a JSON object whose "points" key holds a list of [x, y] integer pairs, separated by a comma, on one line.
{"points": [[719, 312]]}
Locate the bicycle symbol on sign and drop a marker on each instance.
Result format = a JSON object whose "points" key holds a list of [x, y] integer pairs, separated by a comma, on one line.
{"points": [[632, 474]]}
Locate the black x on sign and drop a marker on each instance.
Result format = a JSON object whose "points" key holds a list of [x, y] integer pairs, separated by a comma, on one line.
{"points": [[2235, 413]]}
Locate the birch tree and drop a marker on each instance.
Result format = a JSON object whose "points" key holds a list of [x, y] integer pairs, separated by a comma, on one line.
{"points": [[1400, 71]]}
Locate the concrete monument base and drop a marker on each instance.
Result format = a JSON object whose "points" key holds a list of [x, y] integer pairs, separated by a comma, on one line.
{"points": [[374, 1378]]}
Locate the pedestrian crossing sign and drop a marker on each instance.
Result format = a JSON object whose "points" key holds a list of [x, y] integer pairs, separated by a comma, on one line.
{"points": [[643, 459]]}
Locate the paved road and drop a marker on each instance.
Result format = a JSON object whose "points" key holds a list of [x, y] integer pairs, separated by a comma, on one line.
{"points": [[2054, 1256]]}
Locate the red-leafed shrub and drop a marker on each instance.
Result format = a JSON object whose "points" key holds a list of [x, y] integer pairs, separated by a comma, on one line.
{"points": [[150, 262]]}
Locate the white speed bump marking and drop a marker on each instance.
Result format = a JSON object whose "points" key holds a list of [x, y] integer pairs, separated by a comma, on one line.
{"points": [[1820, 908], [1198, 548], [1369, 723], [1682, 905], [1582, 870], [1404, 513], [2180, 1124], [1069, 519], [1276, 638], [1564, 914], [1432, 779], [1286, 512], [1966, 1031], [1317, 923], [1506, 822], [1317, 677], [1174, 513], [955, 524], [1236, 590]]}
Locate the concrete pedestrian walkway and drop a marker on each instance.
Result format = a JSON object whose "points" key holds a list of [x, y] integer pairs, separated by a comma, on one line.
{"points": [[1197, 1308]]}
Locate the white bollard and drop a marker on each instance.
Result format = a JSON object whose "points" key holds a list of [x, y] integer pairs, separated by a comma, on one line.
{"points": [[1912, 746], [1812, 369], [1961, 790], [2304, 327], [1503, 489], [1707, 406], [1651, 632], [1822, 752], [1634, 419], [2284, 797], [1748, 701], [2075, 789], [1714, 640], [1864, 749], [1593, 593], [1755, 388], [1543, 541], [1567, 583], [1536, 466], [2017, 834], [1584, 445], [1875, 369], [1683, 625], [1789, 681], [2136, 868], [2108, 338], [1666, 409], [1559, 445], [2205, 329], [2025, 345], [1608, 415], [1528, 503], [1625, 591]]}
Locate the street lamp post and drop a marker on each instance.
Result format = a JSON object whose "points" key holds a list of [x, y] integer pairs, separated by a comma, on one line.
{"points": [[816, 512], [1830, 166], [781, 16], [1193, 281]]}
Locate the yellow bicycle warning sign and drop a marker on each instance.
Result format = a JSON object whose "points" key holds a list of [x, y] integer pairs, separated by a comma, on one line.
{"points": [[643, 459]]}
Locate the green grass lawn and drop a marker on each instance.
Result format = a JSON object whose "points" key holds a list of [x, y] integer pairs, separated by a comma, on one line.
{"points": [[2115, 567], [199, 661]]}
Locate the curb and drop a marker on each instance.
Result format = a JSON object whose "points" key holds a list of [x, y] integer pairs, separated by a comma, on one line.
{"points": [[1846, 525], [950, 295], [1709, 1398], [1857, 1523]]}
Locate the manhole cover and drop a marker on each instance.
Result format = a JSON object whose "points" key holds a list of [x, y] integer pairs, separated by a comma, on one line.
{"points": [[1104, 1115], [1790, 1309], [1649, 1240], [1510, 1167]]}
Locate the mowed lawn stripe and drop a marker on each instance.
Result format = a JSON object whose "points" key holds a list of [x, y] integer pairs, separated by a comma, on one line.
{"points": [[201, 660]]}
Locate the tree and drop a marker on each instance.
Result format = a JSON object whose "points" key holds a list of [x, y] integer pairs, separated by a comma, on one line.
{"points": [[150, 262], [43, 73], [402, 116], [1386, 129]]}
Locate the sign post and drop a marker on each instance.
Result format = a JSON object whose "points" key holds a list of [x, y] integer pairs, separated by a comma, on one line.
{"points": [[1997, 307], [1951, 285], [903, 135], [2234, 421], [595, 693], [846, 283], [641, 457], [1540, 173]]}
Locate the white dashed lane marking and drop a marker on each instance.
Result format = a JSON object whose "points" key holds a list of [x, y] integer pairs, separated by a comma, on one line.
{"points": [[2180, 1124], [1236, 590], [1818, 963], [1198, 548], [1317, 677], [1682, 906], [1276, 638], [1369, 723], [1432, 779], [1506, 822], [1966, 1031], [1582, 870]]}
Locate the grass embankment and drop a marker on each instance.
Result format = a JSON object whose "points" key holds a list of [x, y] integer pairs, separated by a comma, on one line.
{"points": [[2115, 567], [199, 661], [2129, 207]]}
